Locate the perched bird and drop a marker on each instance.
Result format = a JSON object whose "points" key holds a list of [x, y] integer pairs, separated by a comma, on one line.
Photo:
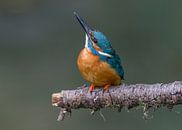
{"points": [[98, 62]]}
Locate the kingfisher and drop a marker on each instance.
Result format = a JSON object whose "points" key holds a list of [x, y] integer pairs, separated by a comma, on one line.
{"points": [[98, 62]]}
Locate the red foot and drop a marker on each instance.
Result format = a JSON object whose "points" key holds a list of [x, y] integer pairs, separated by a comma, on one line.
{"points": [[91, 88], [106, 87]]}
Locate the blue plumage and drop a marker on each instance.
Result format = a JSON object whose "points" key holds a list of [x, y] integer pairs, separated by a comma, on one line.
{"points": [[116, 64], [104, 44]]}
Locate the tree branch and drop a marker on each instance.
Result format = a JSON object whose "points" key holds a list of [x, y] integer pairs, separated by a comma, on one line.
{"points": [[128, 96]]}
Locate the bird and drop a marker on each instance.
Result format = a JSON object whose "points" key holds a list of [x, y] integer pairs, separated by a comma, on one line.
{"points": [[98, 61]]}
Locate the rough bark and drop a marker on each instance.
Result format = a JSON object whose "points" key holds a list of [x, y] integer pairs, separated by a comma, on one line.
{"points": [[128, 96]]}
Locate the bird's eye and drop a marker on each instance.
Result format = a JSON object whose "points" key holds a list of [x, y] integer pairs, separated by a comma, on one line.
{"points": [[94, 40], [92, 37]]}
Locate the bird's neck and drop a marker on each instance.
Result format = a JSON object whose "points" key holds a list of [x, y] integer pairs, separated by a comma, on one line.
{"points": [[89, 45]]}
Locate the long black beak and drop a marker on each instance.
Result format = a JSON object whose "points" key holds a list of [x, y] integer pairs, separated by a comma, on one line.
{"points": [[84, 25]]}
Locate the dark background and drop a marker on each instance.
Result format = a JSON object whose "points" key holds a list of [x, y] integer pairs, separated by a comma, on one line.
{"points": [[39, 44]]}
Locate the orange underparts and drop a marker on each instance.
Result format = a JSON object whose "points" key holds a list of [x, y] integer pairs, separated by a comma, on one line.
{"points": [[105, 88]]}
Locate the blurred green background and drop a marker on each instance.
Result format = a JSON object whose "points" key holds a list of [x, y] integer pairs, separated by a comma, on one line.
{"points": [[39, 44]]}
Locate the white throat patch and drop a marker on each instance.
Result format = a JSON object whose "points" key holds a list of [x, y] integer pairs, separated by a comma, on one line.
{"points": [[86, 42]]}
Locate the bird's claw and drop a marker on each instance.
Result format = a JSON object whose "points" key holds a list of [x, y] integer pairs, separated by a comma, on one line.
{"points": [[91, 88]]}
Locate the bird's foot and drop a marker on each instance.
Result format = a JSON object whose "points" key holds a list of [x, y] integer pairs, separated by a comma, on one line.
{"points": [[106, 88], [91, 88]]}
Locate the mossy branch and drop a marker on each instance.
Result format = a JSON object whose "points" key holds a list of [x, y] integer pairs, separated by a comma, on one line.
{"points": [[128, 96]]}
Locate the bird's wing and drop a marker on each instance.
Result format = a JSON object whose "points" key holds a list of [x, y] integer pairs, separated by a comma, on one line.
{"points": [[114, 62]]}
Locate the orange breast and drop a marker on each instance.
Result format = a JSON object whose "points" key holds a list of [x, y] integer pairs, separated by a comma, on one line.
{"points": [[98, 72]]}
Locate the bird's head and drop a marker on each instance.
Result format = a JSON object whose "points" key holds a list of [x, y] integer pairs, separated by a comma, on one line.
{"points": [[95, 41]]}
